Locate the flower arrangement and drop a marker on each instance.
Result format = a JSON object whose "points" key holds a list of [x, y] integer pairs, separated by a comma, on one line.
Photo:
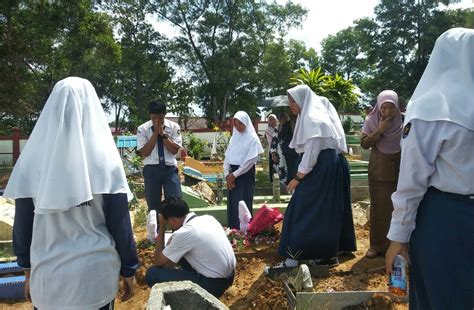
{"points": [[240, 241]]}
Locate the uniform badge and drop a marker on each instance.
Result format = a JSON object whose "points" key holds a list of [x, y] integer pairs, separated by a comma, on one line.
{"points": [[406, 130]]}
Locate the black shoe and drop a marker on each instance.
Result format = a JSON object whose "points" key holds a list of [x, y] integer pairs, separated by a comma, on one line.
{"points": [[330, 262]]}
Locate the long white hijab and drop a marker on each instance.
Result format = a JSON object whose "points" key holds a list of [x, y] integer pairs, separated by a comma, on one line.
{"points": [[445, 91], [336, 121], [314, 119], [243, 146], [70, 154]]}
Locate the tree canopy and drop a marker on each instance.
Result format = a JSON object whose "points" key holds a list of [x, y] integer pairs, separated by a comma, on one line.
{"points": [[223, 56]]}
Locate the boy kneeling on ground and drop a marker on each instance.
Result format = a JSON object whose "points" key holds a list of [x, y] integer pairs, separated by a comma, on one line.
{"points": [[198, 245]]}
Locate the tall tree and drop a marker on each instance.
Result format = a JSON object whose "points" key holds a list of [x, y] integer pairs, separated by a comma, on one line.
{"points": [[43, 42], [143, 73], [221, 44], [343, 53], [390, 52]]}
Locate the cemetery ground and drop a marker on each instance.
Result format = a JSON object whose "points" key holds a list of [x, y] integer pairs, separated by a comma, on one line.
{"points": [[252, 289]]}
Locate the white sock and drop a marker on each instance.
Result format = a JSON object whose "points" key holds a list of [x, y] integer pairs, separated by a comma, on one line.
{"points": [[291, 262]]}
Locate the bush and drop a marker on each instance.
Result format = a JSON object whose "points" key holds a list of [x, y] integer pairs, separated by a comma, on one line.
{"points": [[348, 124], [194, 146]]}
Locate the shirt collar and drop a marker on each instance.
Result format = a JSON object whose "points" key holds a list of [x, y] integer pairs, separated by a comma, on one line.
{"points": [[188, 217]]}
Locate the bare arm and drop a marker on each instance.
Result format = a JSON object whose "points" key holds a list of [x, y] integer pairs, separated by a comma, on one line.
{"points": [[172, 147], [159, 259]]}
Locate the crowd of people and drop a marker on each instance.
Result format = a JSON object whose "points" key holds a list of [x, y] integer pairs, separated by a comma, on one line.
{"points": [[73, 236]]}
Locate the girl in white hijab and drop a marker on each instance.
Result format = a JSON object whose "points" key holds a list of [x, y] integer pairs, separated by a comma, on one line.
{"points": [[72, 225], [432, 221], [313, 219], [239, 166]]}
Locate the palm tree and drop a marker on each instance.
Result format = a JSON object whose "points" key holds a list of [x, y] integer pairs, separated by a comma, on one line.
{"points": [[339, 91]]}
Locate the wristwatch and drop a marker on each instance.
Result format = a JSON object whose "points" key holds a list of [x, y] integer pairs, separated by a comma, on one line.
{"points": [[165, 136], [297, 178]]}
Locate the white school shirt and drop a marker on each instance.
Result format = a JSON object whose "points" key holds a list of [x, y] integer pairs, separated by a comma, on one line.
{"points": [[244, 168], [204, 244], [145, 132], [74, 264], [435, 153], [312, 148]]}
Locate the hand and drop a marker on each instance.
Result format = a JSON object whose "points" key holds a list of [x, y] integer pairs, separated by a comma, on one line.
{"points": [[161, 220], [290, 188], [158, 127], [384, 124], [26, 290], [274, 157], [230, 180], [128, 288], [395, 248]]}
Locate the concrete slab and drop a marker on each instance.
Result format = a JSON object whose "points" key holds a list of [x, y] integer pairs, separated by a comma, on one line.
{"points": [[338, 300], [182, 295]]}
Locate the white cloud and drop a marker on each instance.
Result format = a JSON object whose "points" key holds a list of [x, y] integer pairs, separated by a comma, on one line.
{"points": [[329, 17]]}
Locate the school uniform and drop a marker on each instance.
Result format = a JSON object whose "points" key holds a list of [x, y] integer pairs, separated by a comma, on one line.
{"points": [[434, 201], [241, 156], [204, 253], [160, 169], [434, 212], [314, 217], [68, 249], [72, 225]]}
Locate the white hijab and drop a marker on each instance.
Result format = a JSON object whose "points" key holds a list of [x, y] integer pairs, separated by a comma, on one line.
{"points": [[70, 154], [445, 91], [336, 121], [314, 119], [243, 146]]}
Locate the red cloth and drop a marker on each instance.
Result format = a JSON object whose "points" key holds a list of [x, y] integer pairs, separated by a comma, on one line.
{"points": [[264, 219]]}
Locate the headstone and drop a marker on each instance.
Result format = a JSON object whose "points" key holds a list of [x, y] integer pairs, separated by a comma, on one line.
{"points": [[182, 295]]}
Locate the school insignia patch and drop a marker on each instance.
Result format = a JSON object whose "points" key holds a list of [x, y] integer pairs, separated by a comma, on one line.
{"points": [[406, 130]]}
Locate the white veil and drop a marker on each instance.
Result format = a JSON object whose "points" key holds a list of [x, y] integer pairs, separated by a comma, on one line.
{"points": [[445, 91], [70, 154], [243, 146], [314, 119]]}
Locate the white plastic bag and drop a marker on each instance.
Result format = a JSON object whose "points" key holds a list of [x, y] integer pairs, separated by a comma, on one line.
{"points": [[244, 216], [151, 226]]}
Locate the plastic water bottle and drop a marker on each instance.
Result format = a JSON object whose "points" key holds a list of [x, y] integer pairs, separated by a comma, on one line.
{"points": [[398, 278]]}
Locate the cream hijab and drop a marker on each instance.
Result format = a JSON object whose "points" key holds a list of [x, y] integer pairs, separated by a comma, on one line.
{"points": [[243, 146], [314, 119], [445, 91], [70, 154]]}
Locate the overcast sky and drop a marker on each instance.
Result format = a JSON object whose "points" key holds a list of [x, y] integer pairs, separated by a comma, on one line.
{"points": [[329, 17]]}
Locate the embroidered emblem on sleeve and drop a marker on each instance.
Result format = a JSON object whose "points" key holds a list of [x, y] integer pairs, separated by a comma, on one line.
{"points": [[406, 130]]}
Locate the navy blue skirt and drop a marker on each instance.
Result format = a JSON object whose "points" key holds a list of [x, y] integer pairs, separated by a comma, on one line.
{"points": [[313, 219], [442, 253], [347, 241], [244, 190]]}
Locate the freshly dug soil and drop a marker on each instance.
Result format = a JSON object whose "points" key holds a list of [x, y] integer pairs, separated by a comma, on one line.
{"points": [[253, 290]]}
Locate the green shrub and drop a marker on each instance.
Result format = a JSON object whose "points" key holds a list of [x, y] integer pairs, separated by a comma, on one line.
{"points": [[347, 124]]}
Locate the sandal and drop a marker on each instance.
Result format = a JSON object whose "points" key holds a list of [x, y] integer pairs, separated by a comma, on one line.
{"points": [[371, 253]]}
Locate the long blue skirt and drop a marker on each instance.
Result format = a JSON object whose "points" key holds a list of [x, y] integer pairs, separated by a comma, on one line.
{"points": [[313, 219], [244, 190], [347, 241], [442, 253]]}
